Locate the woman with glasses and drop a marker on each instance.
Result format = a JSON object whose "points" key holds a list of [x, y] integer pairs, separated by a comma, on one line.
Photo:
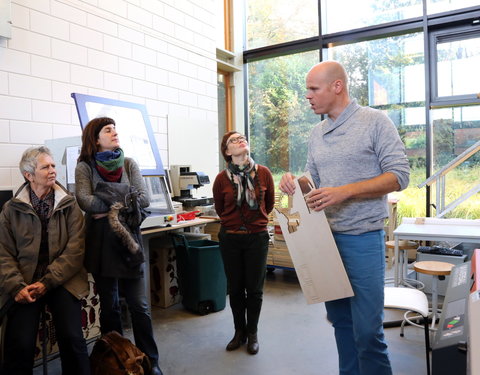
{"points": [[244, 196]]}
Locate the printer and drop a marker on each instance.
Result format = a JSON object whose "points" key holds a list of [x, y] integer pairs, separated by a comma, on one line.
{"points": [[184, 180]]}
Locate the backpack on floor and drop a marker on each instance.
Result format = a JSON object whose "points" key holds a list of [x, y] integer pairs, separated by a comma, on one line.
{"points": [[113, 354]]}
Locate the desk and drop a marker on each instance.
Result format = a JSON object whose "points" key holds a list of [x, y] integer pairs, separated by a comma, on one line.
{"points": [[149, 231], [432, 229]]}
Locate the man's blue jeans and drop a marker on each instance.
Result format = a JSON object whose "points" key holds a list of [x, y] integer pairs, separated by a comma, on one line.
{"points": [[358, 321]]}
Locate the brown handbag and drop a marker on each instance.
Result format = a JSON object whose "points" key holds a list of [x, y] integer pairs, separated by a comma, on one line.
{"points": [[114, 354]]}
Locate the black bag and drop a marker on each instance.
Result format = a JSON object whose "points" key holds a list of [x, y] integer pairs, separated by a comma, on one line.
{"points": [[114, 354]]}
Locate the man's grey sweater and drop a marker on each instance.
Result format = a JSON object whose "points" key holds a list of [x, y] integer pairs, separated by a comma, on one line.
{"points": [[361, 144]]}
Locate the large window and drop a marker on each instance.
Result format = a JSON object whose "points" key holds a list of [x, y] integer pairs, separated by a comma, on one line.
{"points": [[455, 129], [280, 117], [278, 21], [419, 68], [455, 115], [388, 74], [341, 15], [437, 6]]}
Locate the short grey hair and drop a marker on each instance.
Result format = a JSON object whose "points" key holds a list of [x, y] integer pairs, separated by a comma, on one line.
{"points": [[28, 163]]}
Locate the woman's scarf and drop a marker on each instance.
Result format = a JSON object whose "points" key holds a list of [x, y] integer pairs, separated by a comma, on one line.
{"points": [[109, 164], [243, 179]]}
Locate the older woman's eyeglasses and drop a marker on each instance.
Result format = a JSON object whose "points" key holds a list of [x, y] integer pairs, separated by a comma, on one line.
{"points": [[237, 139]]}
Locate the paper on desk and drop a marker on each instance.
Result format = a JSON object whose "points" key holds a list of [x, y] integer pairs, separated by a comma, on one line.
{"points": [[439, 221], [313, 250], [72, 153]]}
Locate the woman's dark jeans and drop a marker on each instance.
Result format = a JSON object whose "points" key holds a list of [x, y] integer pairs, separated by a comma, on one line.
{"points": [[245, 258]]}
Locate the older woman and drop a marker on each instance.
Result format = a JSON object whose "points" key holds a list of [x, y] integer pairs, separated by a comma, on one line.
{"points": [[244, 196], [41, 262], [104, 179]]}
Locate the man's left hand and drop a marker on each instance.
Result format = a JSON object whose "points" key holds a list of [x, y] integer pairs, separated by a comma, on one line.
{"points": [[321, 198], [37, 290]]}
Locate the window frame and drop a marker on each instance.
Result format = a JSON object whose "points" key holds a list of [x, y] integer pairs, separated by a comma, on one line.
{"points": [[443, 35]]}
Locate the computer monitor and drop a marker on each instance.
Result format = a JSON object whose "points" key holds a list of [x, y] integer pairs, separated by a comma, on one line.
{"points": [[160, 200], [133, 124], [5, 195]]}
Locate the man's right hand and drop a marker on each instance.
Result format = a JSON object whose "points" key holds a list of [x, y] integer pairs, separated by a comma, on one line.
{"points": [[25, 295], [286, 183]]}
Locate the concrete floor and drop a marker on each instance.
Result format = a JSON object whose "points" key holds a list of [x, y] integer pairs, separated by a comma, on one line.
{"points": [[295, 338]]}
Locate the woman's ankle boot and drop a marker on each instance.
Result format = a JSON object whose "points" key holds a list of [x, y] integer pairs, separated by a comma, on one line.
{"points": [[252, 345], [238, 340]]}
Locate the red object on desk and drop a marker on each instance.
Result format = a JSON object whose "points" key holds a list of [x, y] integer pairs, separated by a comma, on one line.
{"points": [[187, 216]]}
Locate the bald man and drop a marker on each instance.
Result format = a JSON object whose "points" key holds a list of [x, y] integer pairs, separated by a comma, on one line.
{"points": [[355, 157]]}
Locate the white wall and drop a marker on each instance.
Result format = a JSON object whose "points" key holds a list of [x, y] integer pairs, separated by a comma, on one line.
{"points": [[160, 53]]}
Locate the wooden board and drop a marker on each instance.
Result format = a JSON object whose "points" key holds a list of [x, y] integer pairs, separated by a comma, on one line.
{"points": [[313, 250]]}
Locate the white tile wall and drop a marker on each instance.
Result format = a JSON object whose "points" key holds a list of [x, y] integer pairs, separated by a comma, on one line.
{"points": [[68, 13], [61, 92], [163, 25], [118, 7], [184, 34], [44, 111], [20, 16], [131, 68], [86, 37], [144, 88], [69, 52], [157, 108], [15, 108], [116, 46], [144, 55], [154, 7], [179, 81], [196, 86], [102, 61], [10, 157], [4, 131], [116, 82], [41, 5], [30, 42], [64, 131], [29, 132], [131, 35], [168, 94], [166, 62], [5, 178], [156, 75], [82, 75], [50, 68], [44, 24], [174, 15], [159, 53], [139, 15], [29, 87], [100, 23], [156, 44], [3, 83]]}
